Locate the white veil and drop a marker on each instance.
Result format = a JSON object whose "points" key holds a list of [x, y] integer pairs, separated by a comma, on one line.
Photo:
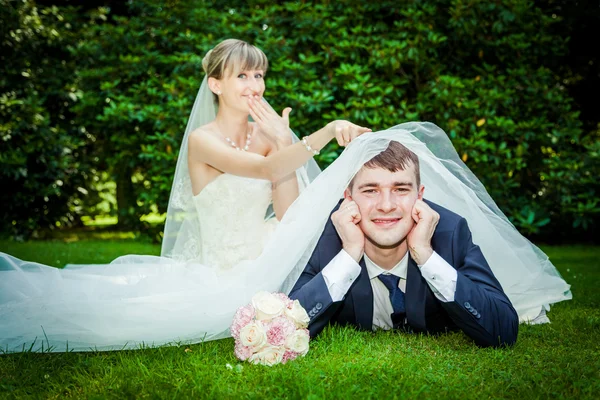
{"points": [[182, 225], [527, 276]]}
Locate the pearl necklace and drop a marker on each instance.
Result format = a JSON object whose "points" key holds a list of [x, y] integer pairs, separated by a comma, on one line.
{"points": [[235, 146]]}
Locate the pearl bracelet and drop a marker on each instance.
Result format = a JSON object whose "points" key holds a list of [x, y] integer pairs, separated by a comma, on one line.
{"points": [[305, 142]]}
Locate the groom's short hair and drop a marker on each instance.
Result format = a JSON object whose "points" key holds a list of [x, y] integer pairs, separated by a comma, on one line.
{"points": [[396, 157]]}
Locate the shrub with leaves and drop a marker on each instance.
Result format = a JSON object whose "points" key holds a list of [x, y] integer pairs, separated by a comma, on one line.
{"points": [[481, 70], [46, 174]]}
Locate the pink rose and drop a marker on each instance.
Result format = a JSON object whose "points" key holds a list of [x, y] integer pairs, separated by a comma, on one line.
{"points": [[270, 330], [242, 352], [289, 356], [243, 316], [278, 330]]}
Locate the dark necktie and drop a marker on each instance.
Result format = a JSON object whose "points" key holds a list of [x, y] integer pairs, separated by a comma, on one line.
{"points": [[396, 297]]}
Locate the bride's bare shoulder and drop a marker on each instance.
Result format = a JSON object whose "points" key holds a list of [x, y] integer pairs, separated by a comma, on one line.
{"points": [[209, 129], [202, 135]]}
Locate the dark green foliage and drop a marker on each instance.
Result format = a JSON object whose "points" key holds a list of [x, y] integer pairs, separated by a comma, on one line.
{"points": [[477, 69], [140, 76], [45, 172], [484, 71]]}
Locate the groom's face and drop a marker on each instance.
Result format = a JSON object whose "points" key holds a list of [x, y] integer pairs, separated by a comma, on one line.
{"points": [[385, 200]]}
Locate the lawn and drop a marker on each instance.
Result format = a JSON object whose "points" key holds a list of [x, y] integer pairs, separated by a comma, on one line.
{"points": [[557, 360]]}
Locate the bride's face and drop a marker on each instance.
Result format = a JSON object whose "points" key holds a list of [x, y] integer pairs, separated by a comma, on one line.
{"points": [[385, 200], [236, 87]]}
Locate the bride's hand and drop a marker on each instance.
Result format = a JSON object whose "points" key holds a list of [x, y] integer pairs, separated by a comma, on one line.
{"points": [[275, 127], [345, 131]]}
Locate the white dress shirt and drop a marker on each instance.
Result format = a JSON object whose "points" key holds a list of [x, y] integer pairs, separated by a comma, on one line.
{"points": [[342, 271]]}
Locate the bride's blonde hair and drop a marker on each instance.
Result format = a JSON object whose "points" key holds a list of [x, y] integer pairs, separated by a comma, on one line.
{"points": [[233, 55]]}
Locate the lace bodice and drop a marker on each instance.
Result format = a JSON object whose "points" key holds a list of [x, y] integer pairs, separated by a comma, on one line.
{"points": [[232, 213]]}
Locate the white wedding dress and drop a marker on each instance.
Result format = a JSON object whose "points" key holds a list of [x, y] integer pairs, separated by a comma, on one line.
{"points": [[237, 226], [142, 300]]}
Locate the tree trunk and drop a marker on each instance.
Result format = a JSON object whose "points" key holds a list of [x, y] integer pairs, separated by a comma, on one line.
{"points": [[126, 199]]}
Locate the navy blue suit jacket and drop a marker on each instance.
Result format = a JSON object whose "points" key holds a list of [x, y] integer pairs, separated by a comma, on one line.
{"points": [[480, 308]]}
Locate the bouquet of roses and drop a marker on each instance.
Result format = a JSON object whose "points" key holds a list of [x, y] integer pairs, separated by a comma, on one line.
{"points": [[270, 330]]}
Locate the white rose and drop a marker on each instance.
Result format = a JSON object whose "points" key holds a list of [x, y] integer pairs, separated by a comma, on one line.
{"points": [[298, 342], [267, 306], [268, 355], [298, 315], [253, 335]]}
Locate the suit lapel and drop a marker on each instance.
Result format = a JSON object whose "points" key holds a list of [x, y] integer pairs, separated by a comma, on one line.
{"points": [[362, 298], [415, 296]]}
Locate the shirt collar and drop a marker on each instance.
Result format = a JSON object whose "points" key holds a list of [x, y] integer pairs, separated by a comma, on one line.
{"points": [[375, 270]]}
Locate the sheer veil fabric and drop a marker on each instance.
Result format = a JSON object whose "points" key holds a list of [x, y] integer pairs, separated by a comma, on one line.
{"points": [[146, 300], [525, 272]]}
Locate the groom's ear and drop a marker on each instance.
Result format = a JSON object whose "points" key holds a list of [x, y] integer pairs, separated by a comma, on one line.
{"points": [[347, 194], [421, 192]]}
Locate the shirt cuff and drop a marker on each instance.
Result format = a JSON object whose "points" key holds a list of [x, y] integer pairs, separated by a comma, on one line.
{"points": [[340, 274], [440, 276]]}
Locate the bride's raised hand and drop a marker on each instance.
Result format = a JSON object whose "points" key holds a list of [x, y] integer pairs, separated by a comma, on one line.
{"points": [[345, 131], [275, 127]]}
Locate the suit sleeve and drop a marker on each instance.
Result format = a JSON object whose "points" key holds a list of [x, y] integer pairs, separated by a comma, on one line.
{"points": [[313, 294], [480, 307]]}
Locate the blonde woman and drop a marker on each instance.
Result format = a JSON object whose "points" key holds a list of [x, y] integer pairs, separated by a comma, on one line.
{"points": [[246, 166]]}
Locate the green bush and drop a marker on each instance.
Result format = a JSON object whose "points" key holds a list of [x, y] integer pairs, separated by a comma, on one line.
{"points": [[478, 69], [140, 76], [46, 174]]}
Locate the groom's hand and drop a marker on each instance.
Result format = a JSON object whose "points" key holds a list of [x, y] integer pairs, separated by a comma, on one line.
{"points": [[345, 220], [419, 238]]}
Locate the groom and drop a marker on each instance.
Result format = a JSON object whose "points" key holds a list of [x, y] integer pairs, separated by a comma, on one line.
{"points": [[388, 259]]}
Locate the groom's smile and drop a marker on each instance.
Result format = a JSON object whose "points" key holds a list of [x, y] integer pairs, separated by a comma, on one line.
{"points": [[386, 222]]}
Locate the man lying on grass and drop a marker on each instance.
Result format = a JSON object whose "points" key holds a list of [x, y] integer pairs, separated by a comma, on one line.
{"points": [[388, 259]]}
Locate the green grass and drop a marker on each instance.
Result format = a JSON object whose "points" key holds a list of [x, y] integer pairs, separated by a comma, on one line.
{"points": [[558, 360]]}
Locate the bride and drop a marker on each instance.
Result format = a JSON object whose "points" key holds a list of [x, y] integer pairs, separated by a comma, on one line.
{"points": [[179, 297], [231, 164]]}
